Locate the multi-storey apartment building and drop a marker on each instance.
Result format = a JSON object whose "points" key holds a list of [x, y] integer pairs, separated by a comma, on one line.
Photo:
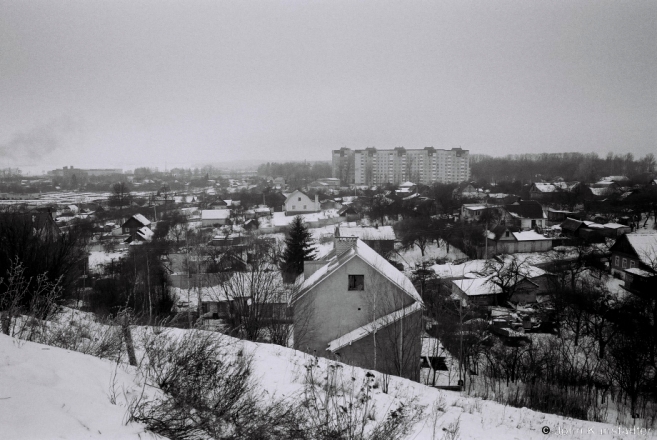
{"points": [[426, 166], [343, 165]]}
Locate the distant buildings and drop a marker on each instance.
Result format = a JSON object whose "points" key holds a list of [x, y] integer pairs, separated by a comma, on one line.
{"points": [[378, 167], [69, 171]]}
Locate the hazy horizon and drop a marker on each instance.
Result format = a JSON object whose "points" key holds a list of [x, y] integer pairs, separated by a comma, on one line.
{"points": [[121, 84]]}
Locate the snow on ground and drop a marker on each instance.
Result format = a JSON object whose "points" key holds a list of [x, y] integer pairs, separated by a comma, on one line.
{"points": [[410, 257], [47, 393], [280, 219], [282, 372], [449, 270], [99, 258]]}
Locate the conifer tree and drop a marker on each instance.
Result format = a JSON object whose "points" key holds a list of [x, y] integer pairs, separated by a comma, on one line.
{"points": [[298, 247]]}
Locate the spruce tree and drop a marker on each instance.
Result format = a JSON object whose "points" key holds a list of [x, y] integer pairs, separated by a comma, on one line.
{"points": [[298, 247]]}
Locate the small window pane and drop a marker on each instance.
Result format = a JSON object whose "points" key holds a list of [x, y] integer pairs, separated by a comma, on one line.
{"points": [[356, 282]]}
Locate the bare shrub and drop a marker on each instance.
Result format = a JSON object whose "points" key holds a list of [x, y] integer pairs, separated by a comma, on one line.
{"points": [[334, 407], [26, 302], [452, 431], [207, 392]]}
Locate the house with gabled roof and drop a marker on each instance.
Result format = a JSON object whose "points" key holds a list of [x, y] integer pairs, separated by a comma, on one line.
{"points": [[135, 223], [504, 239], [525, 214], [299, 202], [356, 307], [637, 250]]}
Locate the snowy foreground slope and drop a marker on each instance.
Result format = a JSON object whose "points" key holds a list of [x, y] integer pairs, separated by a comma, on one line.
{"points": [[51, 393], [48, 393]]}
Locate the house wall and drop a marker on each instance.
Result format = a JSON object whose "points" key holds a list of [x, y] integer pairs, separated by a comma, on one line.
{"points": [[398, 349], [512, 246], [524, 297], [330, 310], [217, 221], [621, 261]]}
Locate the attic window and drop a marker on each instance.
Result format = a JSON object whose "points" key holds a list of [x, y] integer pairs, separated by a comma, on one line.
{"points": [[506, 234], [356, 282], [299, 199]]}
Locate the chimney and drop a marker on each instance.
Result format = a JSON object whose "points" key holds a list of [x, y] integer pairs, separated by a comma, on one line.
{"points": [[343, 244], [310, 267]]}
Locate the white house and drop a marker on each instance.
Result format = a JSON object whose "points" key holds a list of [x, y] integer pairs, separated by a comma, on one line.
{"points": [[299, 203], [211, 217]]}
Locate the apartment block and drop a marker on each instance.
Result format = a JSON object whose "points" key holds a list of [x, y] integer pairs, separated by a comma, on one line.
{"points": [[372, 166]]}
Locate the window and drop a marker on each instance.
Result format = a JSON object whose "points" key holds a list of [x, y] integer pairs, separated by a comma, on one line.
{"points": [[304, 206], [632, 263], [299, 199], [616, 261], [624, 263], [356, 282], [506, 234]]}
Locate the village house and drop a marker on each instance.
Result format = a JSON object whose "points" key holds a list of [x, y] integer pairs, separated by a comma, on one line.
{"points": [[557, 191], [349, 212], [484, 291], [557, 216], [134, 223], [354, 306], [588, 231], [215, 217], [525, 215], [299, 203], [381, 238], [615, 230], [474, 211], [509, 240], [636, 250]]}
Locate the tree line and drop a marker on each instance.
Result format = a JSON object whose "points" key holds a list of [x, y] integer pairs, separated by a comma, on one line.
{"points": [[570, 166]]}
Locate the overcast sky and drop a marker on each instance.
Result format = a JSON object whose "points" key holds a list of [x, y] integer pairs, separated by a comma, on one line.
{"points": [[128, 83]]}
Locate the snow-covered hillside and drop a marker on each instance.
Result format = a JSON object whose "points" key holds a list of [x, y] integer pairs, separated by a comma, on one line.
{"points": [[51, 393], [48, 392]]}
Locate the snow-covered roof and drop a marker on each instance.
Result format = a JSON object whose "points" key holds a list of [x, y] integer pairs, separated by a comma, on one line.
{"points": [[431, 347], [592, 225], [615, 179], [645, 245], [477, 286], [406, 184], [371, 327], [545, 187], [294, 193], [141, 219], [615, 226], [529, 236], [474, 207], [640, 272], [369, 256], [215, 214], [599, 191]]}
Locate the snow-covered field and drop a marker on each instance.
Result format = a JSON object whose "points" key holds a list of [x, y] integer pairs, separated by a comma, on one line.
{"points": [[48, 392]]}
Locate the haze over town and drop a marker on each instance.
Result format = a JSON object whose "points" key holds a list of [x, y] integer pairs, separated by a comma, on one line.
{"points": [[123, 84]]}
